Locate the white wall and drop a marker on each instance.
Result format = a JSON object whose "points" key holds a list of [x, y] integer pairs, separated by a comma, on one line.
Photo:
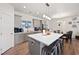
{"points": [[65, 26], [17, 21]]}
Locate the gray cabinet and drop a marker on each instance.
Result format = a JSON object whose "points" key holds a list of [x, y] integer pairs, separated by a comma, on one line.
{"points": [[34, 47], [18, 38]]}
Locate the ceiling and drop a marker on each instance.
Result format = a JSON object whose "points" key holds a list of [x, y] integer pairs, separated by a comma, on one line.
{"points": [[55, 10]]}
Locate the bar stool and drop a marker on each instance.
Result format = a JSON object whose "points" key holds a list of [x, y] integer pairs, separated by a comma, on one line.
{"points": [[50, 50], [61, 45]]}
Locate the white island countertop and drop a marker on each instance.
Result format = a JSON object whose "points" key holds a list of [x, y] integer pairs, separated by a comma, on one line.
{"points": [[46, 39]]}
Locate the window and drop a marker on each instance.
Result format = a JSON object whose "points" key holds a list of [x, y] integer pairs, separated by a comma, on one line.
{"points": [[26, 24]]}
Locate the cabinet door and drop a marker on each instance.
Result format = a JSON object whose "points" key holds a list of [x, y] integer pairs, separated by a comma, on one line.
{"points": [[7, 32], [34, 47]]}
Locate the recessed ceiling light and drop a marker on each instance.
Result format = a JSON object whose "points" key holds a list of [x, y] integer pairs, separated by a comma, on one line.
{"points": [[24, 6]]}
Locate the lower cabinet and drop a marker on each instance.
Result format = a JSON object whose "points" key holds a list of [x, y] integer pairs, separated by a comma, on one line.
{"points": [[34, 47], [18, 38]]}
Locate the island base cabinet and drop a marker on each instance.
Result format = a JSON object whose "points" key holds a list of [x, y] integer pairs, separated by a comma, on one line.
{"points": [[34, 47]]}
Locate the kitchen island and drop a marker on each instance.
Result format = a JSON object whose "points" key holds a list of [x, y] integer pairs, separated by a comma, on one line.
{"points": [[38, 41]]}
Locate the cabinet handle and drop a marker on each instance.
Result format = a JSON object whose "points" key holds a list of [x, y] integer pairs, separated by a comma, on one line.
{"points": [[32, 43]]}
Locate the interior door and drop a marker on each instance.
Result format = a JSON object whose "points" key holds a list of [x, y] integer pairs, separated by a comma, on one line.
{"points": [[7, 32]]}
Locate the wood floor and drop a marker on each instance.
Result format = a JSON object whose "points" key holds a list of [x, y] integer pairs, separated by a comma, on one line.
{"points": [[23, 49], [71, 49], [20, 49]]}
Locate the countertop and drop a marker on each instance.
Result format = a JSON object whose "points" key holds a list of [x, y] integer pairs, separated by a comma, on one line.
{"points": [[45, 39], [28, 32]]}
